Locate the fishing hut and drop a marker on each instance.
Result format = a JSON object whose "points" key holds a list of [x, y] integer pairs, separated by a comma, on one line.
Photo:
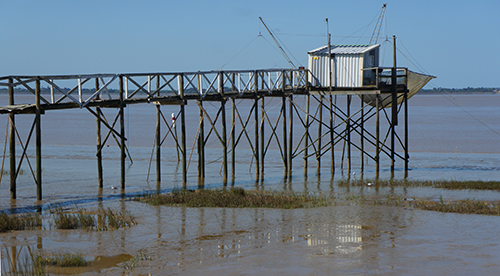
{"points": [[308, 109]]}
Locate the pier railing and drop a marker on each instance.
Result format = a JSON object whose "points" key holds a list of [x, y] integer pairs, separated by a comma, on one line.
{"points": [[81, 90]]}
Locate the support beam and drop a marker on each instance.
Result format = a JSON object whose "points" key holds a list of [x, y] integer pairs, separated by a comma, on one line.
{"points": [[332, 139], [224, 142], [224, 130], [183, 132], [394, 106], [122, 137], [201, 143], [233, 139], [38, 131], [285, 136], [256, 112], [257, 155], [158, 144], [261, 133], [377, 137], [99, 142], [406, 133], [362, 139], [158, 136], [306, 140], [12, 144], [348, 126], [318, 154], [290, 136]]}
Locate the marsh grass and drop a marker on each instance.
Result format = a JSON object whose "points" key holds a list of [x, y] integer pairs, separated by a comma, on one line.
{"points": [[23, 266], [19, 222], [443, 184], [61, 260], [236, 198], [101, 220], [464, 206], [132, 263]]}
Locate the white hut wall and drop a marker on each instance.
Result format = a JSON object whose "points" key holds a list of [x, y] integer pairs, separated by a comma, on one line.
{"points": [[348, 71], [319, 67]]}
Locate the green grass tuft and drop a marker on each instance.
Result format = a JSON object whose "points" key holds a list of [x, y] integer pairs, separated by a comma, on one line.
{"points": [[19, 222], [442, 184], [236, 198]]}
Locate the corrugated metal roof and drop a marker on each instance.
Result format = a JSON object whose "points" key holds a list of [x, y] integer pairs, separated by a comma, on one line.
{"points": [[344, 49]]}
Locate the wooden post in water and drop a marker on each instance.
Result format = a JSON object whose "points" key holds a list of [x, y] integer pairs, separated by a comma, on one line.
{"points": [[233, 131], [122, 136], [362, 138], [262, 144], [12, 143], [201, 137], [256, 113], [394, 106], [377, 137], [332, 138], [285, 133], [406, 132], [201, 143], [38, 141], [233, 137], [158, 134], [348, 125], [98, 142], [306, 140], [224, 131], [290, 136], [318, 153], [183, 131]]}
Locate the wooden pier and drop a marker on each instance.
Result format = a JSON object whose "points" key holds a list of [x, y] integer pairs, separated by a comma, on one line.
{"points": [[329, 124]]}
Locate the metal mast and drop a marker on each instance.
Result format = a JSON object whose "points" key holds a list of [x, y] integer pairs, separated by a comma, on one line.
{"points": [[378, 26], [277, 44]]}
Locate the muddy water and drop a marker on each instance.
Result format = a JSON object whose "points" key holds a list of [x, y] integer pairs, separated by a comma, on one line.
{"points": [[342, 240], [445, 142]]}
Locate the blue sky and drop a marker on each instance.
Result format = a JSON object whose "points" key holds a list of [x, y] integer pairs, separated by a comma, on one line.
{"points": [[457, 41]]}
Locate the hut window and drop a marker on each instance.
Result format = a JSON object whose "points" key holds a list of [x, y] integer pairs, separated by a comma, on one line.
{"points": [[371, 61]]}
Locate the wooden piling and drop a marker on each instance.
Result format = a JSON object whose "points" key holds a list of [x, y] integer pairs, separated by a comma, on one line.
{"points": [[201, 143], [377, 137], [224, 141], [285, 134], [233, 138], [348, 126], [362, 139], [99, 142], [394, 106], [332, 139], [158, 144], [290, 136], [256, 113], [233, 131], [261, 133], [38, 132], [306, 140], [122, 136], [224, 130], [183, 132], [406, 133], [158, 136], [257, 157], [12, 144], [320, 124]]}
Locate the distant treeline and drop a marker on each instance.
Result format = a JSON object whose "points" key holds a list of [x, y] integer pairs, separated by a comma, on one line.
{"points": [[468, 90]]}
